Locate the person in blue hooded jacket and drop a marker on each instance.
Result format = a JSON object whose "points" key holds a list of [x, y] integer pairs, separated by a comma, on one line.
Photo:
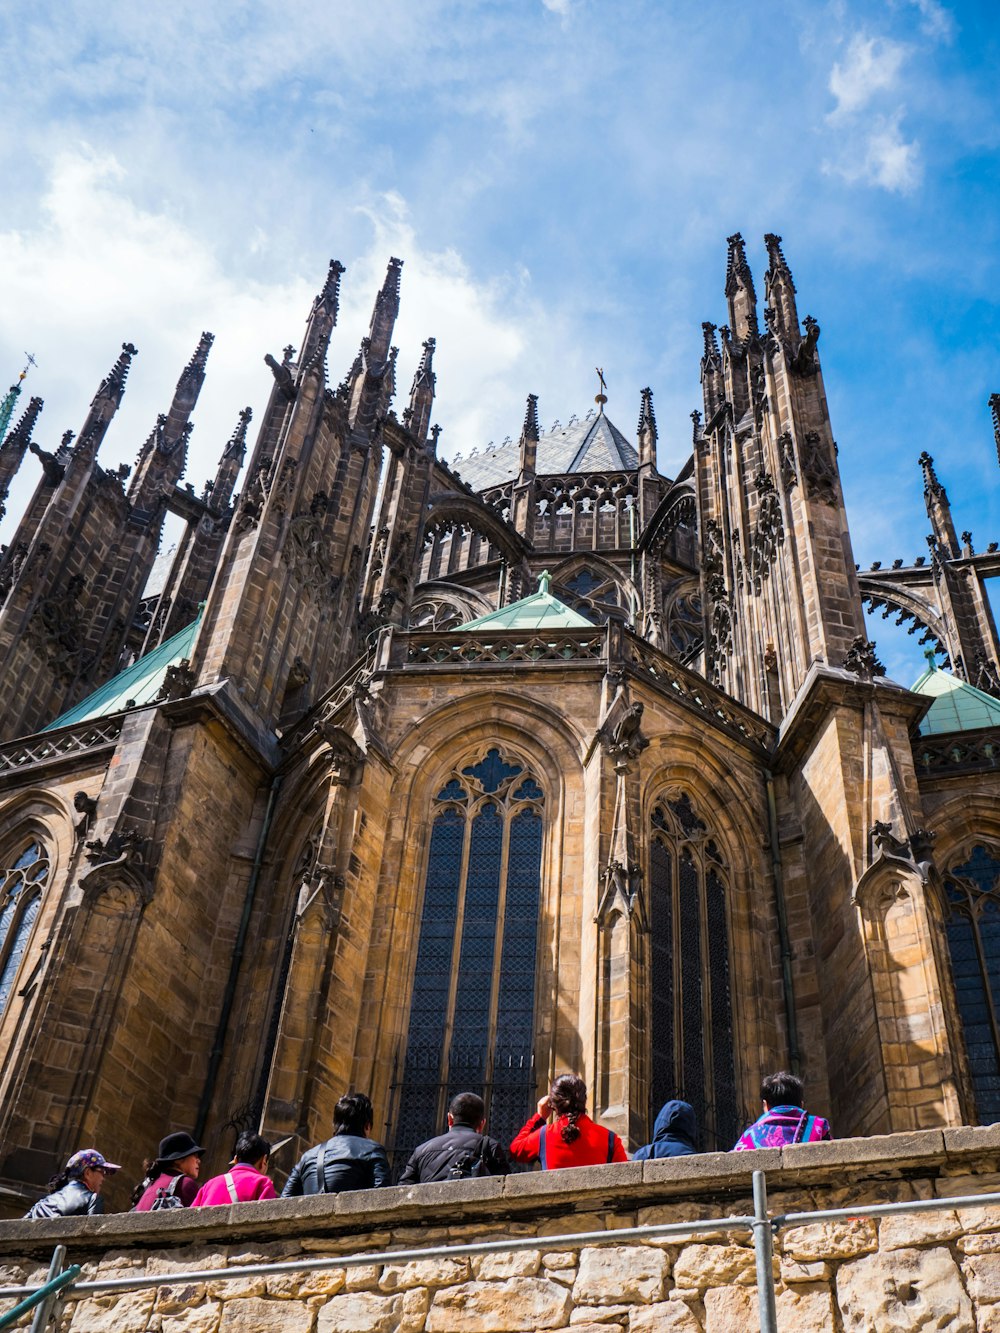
{"points": [[675, 1133]]}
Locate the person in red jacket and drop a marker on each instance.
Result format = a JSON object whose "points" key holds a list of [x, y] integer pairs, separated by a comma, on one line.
{"points": [[574, 1139]]}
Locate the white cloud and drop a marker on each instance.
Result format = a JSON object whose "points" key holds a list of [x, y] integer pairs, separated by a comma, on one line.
{"points": [[562, 7], [878, 154], [98, 269], [871, 65], [937, 22]]}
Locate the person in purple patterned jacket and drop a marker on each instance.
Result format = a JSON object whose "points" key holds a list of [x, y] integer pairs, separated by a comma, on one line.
{"points": [[784, 1120]]}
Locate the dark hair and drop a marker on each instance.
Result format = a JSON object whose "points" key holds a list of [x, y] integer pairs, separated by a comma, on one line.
{"points": [[151, 1168], [250, 1148], [781, 1089], [62, 1178], [467, 1108], [568, 1096], [353, 1114]]}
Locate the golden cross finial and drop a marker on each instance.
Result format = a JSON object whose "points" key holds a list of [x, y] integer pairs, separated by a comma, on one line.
{"points": [[600, 398], [30, 362]]}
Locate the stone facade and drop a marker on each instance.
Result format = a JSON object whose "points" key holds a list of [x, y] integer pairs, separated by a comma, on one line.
{"points": [[743, 844], [907, 1272]]}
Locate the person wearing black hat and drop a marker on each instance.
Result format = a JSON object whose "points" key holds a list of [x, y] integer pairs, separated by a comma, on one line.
{"points": [[172, 1175]]}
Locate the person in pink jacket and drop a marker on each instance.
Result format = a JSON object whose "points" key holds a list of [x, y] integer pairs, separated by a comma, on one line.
{"points": [[245, 1181]]}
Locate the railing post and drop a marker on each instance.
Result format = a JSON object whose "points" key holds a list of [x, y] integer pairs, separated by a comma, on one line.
{"points": [[45, 1311], [763, 1253]]}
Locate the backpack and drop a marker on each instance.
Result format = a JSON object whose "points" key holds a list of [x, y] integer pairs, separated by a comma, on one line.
{"points": [[167, 1198], [470, 1164]]}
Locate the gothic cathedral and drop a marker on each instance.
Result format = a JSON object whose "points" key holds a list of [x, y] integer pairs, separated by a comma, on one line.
{"points": [[415, 777]]}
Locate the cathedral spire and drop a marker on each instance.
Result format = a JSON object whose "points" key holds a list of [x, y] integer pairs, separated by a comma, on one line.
{"points": [[377, 361], [231, 461], [422, 392], [104, 405], [938, 508], [779, 293], [740, 293], [995, 413], [529, 438], [322, 318], [712, 383], [14, 447], [647, 429]]}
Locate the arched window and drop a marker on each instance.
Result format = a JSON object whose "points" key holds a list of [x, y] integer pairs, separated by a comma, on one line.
{"points": [[472, 1013], [691, 1028], [20, 898], [972, 892]]}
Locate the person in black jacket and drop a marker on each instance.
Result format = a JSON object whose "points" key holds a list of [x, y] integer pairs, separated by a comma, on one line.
{"points": [[464, 1151], [675, 1133], [348, 1161], [76, 1190]]}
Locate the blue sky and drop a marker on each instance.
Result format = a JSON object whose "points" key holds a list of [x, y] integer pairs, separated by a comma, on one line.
{"points": [[559, 178]]}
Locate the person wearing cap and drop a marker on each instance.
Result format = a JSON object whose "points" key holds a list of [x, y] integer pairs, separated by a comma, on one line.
{"points": [[76, 1190], [173, 1173], [246, 1180]]}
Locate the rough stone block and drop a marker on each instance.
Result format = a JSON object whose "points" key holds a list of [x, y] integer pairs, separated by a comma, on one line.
{"points": [[664, 1317], [494, 1307], [907, 1291], [253, 1315], [360, 1312], [903, 1230], [730, 1310], [615, 1275], [513, 1263], [982, 1274], [700, 1266], [126, 1313], [424, 1273], [806, 1310], [831, 1240]]}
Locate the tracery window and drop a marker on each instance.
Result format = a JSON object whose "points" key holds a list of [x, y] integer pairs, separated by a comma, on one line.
{"points": [[972, 892], [21, 890], [593, 594], [472, 1010], [691, 1029]]}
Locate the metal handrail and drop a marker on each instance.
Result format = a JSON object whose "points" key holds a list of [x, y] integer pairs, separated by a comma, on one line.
{"points": [[54, 1285]]}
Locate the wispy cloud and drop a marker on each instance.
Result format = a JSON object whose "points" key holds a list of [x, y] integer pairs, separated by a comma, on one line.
{"points": [[870, 66], [936, 21]]}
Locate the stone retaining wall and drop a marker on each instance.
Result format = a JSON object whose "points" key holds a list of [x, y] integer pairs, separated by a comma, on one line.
{"points": [[936, 1271]]}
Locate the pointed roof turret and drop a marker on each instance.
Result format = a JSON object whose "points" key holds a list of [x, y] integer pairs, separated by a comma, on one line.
{"points": [[236, 446], [712, 382], [646, 430], [740, 293], [422, 392], [112, 387], [231, 462], [957, 706], [386, 309], [541, 611], [779, 292], [995, 413], [370, 395], [13, 449]]}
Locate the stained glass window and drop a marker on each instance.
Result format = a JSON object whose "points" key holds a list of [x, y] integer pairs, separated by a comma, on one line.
{"points": [[691, 1029], [973, 896], [472, 1011], [20, 900]]}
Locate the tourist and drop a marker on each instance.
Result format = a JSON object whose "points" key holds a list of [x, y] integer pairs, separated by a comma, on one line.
{"points": [[246, 1180], [348, 1161], [76, 1190], [462, 1152], [784, 1120], [574, 1139], [172, 1175], [675, 1133]]}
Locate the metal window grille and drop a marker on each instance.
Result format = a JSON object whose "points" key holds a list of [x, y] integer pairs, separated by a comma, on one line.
{"points": [[973, 925]]}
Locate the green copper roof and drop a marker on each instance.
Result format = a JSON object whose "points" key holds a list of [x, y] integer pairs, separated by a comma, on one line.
{"points": [[540, 611], [140, 682], [957, 706]]}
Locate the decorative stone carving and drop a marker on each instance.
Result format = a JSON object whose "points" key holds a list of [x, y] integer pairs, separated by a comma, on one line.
{"points": [[818, 469], [254, 496], [86, 808], [178, 682], [786, 454], [306, 550], [125, 847], [56, 629], [861, 660]]}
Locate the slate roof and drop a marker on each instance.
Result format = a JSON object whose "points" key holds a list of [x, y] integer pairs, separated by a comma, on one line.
{"points": [[540, 611], [594, 444], [957, 706], [140, 682]]}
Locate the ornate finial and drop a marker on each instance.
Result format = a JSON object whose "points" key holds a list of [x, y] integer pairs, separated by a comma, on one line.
{"points": [[931, 657], [21, 433], [529, 431], [331, 288], [600, 398], [861, 660], [647, 420], [236, 444], [995, 413], [695, 426], [777, 258], [544, 580]]}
